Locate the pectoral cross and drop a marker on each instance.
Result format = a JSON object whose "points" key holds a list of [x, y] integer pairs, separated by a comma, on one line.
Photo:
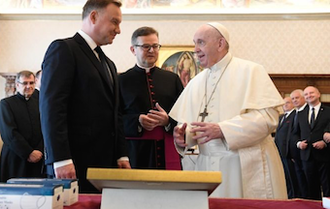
{"points": [[204, 114]]}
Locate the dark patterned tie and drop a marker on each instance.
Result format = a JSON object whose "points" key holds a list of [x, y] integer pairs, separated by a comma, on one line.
{"points": [[283, 118], [312, 123], [105, 66], [295, 122]]}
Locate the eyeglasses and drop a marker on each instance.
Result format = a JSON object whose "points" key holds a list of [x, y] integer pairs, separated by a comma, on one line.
{"points": [[25, 83], [147, 47]]}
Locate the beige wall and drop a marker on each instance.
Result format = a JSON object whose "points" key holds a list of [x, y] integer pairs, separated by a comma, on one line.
{"points": [[282, 43]]}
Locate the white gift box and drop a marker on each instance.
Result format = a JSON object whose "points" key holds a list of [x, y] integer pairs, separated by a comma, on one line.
{"points": [[31, 196], [70, 187]]}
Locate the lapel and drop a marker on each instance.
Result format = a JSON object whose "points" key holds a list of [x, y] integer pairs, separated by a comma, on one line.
{"points": [[281, 124], [303, 118], [319, 116], [92, 57]]}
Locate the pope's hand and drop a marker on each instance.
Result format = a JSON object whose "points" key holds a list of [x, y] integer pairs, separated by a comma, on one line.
{"points": [[208, 131], [179, 135]]}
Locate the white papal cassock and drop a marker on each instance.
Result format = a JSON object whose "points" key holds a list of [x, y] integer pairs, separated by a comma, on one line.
{"points": [[246, 105]]}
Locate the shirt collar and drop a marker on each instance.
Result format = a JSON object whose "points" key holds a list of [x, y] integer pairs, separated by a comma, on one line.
{"points": [[302, 107], [289, 112], [316, 107], [91, 43]]}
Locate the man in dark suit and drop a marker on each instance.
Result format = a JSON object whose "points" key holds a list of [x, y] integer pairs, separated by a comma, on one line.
{"points": [[22, 151], [300, 104], [79, 98], [314, 151], [148, 94], [282, 141]]}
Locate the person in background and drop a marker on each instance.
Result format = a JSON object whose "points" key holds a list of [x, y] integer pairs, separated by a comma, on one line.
{"points": [[22, 151], [282, 141], [298, 100], [314, 150], [79, 98], [38, 84], [148, 93], [229, 110]]}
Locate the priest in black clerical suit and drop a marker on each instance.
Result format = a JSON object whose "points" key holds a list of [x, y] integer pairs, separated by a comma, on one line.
{"points": [[146, 88], [22, 151], [315, 152], [79, 104]]}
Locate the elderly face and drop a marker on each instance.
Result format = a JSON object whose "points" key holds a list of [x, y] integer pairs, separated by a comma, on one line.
{"points": [[146, 58], [106, 24], [25, 86], [298, 100], [288, 105], [312, 95], [208, 43]]}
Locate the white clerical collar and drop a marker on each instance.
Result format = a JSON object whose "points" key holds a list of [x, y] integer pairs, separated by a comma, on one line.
{"points": [[146, 69], [91, 43], [222, 63]]}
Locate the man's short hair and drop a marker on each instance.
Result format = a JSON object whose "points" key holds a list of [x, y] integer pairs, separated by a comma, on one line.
{"points": [[143, 31], [38, 74], [24, 73], [300, 91], [97, 5]]}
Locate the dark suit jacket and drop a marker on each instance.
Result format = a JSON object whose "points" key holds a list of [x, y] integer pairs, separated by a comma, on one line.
{"points": [[283, 134], [304, 131], [79, 113]]}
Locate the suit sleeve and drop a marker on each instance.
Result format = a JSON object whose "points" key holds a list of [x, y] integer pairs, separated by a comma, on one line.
{"points": [[9, 132], [58, 73]]}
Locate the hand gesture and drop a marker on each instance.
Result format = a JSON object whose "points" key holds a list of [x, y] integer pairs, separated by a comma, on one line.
{"points": [[179, 134], [35, 156], [160, 115], [66, 172], [303, 145], [208, 131], [319, 144]]}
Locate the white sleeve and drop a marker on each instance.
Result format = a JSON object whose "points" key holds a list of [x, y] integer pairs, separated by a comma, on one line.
{"points": [[250, 128]]}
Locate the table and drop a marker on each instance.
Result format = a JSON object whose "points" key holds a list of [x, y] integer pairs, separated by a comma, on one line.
{"points": [[93, 201]]}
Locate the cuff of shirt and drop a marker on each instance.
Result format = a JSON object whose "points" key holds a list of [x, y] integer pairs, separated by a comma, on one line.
{"points": [[168, 127], [62, 163], [123, 159], [298, 145]]}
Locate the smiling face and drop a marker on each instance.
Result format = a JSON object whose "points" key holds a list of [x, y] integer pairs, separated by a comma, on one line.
{"points": [[25, 85], [210, 46], [146, 58], [312, 95], [106, 24]]}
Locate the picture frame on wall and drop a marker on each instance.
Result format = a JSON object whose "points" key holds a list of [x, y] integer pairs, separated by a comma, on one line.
{"points": [[180, 60], [172, 6]]}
